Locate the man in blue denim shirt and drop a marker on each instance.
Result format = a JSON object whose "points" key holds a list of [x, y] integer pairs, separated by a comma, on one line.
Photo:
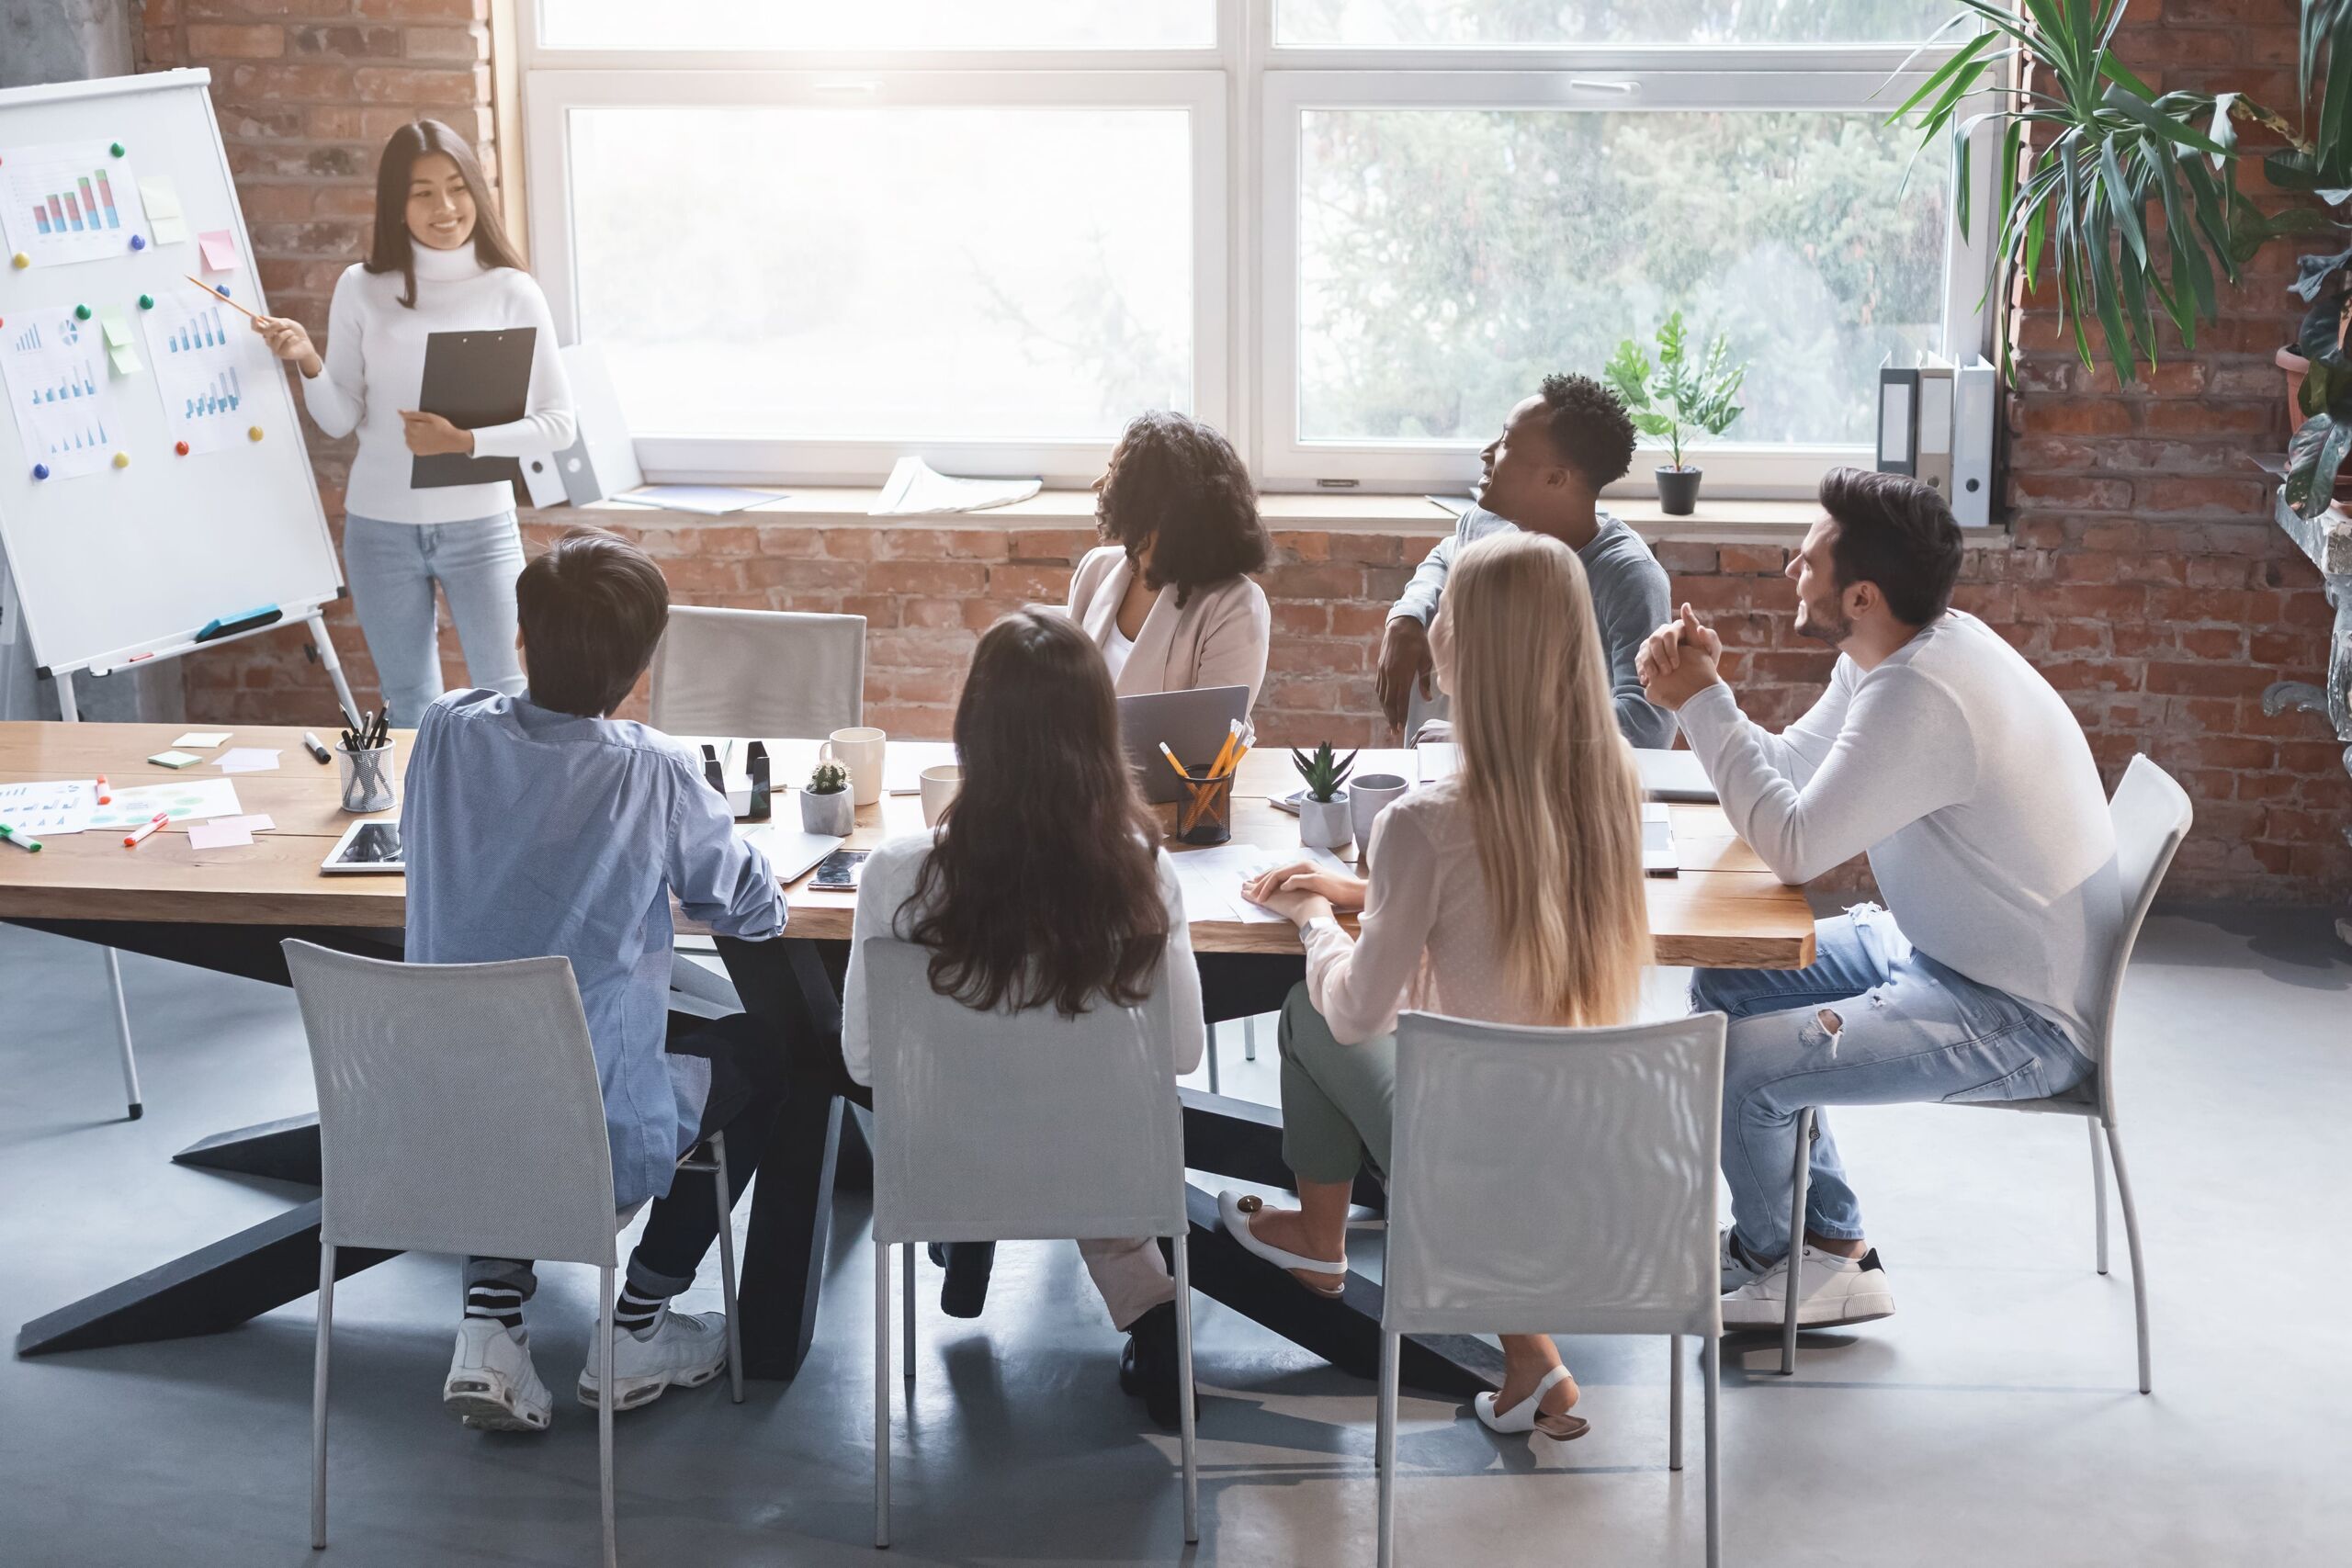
{"points": [[537, 825]]}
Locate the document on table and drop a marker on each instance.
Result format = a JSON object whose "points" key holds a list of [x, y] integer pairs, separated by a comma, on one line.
{"points": [[248, 759], [706, 500], [182, 800], [1211, 879], [915, 488], [46, 810]]}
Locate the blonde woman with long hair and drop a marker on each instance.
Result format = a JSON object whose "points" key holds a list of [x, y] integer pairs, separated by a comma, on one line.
{"points": [[1510, 892]]}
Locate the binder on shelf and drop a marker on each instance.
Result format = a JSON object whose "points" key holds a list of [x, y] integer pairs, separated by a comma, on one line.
{"points": [[1974, 402], [1935, 437], [1898, 420]]}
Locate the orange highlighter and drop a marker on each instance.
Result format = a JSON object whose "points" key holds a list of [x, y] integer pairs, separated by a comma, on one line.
{"points": [[130, 840], [106, 796]]}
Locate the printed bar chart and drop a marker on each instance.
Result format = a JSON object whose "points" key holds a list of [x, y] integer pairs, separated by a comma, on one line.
{"points": [[69, 203], [218, 396], [201, 355], [204, 329], [58, 392]]}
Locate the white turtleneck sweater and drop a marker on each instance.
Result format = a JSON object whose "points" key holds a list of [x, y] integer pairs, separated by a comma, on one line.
{"points": [[375, 367]]}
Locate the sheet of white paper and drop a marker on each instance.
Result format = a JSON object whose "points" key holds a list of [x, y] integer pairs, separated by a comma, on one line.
{"points": [[708, 501], [1211, 879], [69, 201], [203, 740], [207, 357], [183, 800], [54, 366], [248, 759], [218, 836], [247, 824], [904, 761], [46, 810], [915, 488]]}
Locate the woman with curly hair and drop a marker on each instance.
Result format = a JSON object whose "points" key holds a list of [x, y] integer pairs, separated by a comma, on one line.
{"points": [[1165, 597]]}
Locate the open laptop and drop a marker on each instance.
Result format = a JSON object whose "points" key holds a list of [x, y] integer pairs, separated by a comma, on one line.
{"points": [[1193, 724]]}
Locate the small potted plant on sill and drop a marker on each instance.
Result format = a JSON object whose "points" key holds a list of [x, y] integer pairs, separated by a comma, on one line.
{"points": [[1323, 822], [1683, 393], [826, 806]]}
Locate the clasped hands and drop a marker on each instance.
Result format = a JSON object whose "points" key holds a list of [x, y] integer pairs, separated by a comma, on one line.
{"points": [[1304, 891], [1679, 660]]}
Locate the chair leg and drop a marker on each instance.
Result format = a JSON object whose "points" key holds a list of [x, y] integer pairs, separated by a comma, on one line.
{"points": [[1187, 1419], [1214, 1028], [2099, 1189], [882, 1393], [1250, 1038], [1385, 1449], [1711, 1358], [324, 1335], [1798, 1184], [1674, 1403], [908, 1270], [605, 1408], [123, 1036], [2131, 1243], [726, 1268]]}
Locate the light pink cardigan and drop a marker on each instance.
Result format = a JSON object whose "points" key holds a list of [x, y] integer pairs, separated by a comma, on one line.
{"points": [[1219, 639]]}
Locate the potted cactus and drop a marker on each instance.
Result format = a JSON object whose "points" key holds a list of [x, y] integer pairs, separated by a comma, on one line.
{"points": [[1323, 812], [825, 804]]}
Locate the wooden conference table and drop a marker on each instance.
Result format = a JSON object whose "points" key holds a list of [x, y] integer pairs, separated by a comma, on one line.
{"points": [[228, 910]]}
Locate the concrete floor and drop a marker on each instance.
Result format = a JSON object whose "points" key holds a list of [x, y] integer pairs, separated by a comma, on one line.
{"points": [[1993, 1420]]}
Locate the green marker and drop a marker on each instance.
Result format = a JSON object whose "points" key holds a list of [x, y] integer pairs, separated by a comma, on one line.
{"points": [[22, 841]]}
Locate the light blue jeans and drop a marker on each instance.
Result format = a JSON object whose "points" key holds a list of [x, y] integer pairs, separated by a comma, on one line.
{"points": [[392, 568], [1908, 1030]]}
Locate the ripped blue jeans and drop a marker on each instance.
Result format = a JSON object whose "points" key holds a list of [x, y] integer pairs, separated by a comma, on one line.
{"points": [[1907, 1029]]}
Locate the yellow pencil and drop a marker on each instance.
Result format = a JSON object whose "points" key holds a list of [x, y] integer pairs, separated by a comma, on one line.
{"points": [[1232, 734], [1174, 764]]}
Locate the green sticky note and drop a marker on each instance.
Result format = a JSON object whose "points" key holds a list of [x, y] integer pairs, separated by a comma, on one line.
{"points": [[118, 329], [174, 760], [125, 357]]}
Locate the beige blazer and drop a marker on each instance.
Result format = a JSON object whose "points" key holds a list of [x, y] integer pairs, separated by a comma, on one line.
{"points": [[1219, 639]]}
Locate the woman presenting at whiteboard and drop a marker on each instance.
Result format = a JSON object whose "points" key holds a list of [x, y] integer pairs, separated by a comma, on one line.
{"points": [[439, 262]]}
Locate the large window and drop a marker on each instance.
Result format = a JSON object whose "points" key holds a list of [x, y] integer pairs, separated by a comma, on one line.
{"points": [[812, 237]]}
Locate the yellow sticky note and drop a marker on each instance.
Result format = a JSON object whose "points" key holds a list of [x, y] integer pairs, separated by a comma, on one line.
{"points": [[161, 197]]}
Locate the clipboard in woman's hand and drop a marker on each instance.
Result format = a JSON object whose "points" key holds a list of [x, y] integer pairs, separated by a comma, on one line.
{"points": [[474, 381]]}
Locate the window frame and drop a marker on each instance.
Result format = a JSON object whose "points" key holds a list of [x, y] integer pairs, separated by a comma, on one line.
{"points": [[1244, 198]]}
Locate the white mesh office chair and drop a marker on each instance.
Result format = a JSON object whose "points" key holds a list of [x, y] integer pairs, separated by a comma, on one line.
{"points": [[437, 1082], [2151, 814], [760, 674], [1018, 1127], [763, 674], [1554, 1181]]}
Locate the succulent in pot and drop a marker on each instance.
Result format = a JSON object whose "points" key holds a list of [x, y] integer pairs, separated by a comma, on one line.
{"points": [[826, 806], [1323, 820]]}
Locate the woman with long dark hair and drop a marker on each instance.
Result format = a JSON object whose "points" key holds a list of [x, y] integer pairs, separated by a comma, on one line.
{"points": [[1043, 887], [438, 262], [1165, 597]]}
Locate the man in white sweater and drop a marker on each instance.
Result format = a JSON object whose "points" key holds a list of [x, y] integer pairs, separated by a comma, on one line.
{"points": [[1951, 762]]}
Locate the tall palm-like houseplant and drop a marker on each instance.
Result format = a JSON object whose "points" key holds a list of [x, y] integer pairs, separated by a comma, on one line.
{"points": [[2125, 201]]}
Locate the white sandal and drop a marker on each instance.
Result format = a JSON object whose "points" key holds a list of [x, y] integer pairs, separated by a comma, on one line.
{"points": [[1528, 1415], [1235, 1209]]}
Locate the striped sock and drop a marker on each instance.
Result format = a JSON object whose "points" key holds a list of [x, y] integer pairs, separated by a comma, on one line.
{"points": [[502, 1303], [635, 1313]]}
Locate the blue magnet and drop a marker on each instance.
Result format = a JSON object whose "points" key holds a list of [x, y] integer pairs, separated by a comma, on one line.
{"points": [[221, 290], [139, 241], [40, 470]]}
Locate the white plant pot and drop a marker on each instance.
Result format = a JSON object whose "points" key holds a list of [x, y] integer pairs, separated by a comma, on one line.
{"points": [[1325, 824], [835, 814]]}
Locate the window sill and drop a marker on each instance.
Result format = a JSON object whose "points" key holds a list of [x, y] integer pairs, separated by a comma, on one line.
{"points": [[1728, 521]]}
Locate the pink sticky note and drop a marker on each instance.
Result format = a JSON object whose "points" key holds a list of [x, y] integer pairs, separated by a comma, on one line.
{"points": [[220, 249]]}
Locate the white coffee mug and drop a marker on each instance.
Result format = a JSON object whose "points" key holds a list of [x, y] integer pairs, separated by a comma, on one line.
{"points": [[1367, 793], [939, 786], [859, 749]]}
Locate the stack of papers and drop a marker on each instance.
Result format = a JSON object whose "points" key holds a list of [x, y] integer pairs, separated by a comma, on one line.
{"points": [[705, 501], [915, 488], [1211, 879]]}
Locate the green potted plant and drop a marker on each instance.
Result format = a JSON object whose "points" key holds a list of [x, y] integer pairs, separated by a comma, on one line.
{"points": [[825, 804], [1683, 393], [1323, 821]]}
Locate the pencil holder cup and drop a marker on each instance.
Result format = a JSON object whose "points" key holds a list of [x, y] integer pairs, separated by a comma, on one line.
{"points": [[367, 777], [1205, 814]]}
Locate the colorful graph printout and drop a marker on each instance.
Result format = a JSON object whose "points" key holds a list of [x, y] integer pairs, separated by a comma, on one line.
{"points": [[69, 202], [54, 371], [206, 360]]}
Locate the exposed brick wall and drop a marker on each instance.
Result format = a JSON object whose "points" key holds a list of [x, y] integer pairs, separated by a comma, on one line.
{"points": [[2144, 575], [306, 92]]}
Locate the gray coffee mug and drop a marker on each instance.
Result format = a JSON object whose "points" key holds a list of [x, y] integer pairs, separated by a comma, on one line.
{"points": [[1367, 793]]}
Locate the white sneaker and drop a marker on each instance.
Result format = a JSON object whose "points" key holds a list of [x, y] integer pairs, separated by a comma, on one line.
{"points": [[492, 1381], [1737, 1266], [1833, 1291], [684, 1350]]}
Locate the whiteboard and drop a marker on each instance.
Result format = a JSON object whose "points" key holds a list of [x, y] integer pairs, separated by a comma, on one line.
{"points": [[117, 563]]}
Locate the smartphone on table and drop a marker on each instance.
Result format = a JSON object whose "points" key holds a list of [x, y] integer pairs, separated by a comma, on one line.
{"points": [[838, 872]]}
